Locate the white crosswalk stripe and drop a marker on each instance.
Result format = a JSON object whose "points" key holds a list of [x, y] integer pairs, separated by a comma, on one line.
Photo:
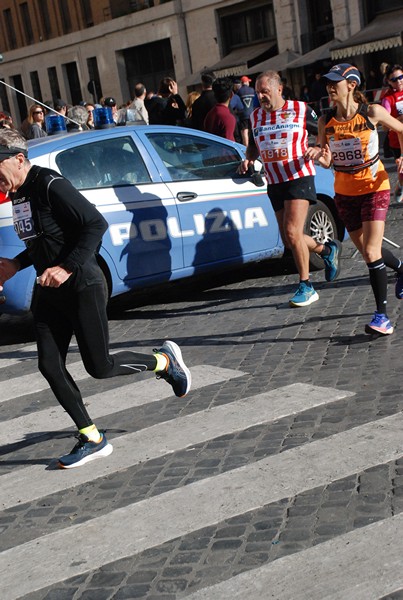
{"points": [[99, 405], [169, 437], [153, 521]]}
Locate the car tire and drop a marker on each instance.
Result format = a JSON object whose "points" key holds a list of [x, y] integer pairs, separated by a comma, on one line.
{"points": [[321, 225]]}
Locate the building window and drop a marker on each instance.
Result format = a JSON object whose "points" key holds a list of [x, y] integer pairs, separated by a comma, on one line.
{"points": [[65, 15], [10, 31], [375, 7], [53, 83], [321, 28], [36, 87], [3, 97], [21, 102], [94, 82], [253, 24], [74, 82], [45, 20], [149, 63], [26, 21], [86, 12], [126, 7]]}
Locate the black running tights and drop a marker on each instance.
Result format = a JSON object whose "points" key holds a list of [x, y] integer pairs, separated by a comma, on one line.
{"points": [[59, 313]]}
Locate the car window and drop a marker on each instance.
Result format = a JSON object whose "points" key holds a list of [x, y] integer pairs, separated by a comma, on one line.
{"points": [[103, 163], [192, 157]]}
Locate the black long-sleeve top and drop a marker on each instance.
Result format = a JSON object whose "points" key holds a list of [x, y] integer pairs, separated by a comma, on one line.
{"points": [[62, 226]]}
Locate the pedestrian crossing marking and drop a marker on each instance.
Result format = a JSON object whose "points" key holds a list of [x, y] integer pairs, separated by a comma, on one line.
{"points": [[178, 512], [170, 436], [35, 382], [360, 565], [136, 393]]}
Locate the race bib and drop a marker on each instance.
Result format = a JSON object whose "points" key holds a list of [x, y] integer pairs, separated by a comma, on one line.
{"points": [[274, 150], [23, 221], [347, 153]]}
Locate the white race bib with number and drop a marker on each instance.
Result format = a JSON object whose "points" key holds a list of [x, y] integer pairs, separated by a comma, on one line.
{"points": [[347, 153], [23, 221]]}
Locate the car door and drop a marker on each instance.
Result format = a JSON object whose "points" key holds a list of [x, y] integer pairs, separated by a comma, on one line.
{"points": [[223, 217], [120, 179]]}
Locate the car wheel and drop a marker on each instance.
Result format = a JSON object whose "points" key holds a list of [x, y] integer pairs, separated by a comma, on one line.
{"points": [[321, 225]]}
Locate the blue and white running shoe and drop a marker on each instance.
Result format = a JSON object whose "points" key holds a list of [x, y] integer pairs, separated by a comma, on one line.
{"points": [[304, 295], [379, 324], [85, 451], [176, 374], [332, 260]]}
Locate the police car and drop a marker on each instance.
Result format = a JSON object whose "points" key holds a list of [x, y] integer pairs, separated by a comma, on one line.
{"points": [[175, 205]]}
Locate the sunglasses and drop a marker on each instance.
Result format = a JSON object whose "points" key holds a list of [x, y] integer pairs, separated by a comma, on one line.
{"points": [[394, 79], [38, 112]]}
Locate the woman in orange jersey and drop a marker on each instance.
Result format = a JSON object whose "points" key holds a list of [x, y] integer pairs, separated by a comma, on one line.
{"points": [[349, 142]]}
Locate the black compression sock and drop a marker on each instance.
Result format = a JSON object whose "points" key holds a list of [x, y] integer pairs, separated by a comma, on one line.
{"points": [[379, 283], [392, 261]]}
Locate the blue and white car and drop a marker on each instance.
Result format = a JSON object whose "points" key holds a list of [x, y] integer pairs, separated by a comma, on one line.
{"points": [[175, 205]]}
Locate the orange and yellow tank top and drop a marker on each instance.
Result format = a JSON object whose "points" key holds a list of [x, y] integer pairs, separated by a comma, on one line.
{"points": [[354, 145]]}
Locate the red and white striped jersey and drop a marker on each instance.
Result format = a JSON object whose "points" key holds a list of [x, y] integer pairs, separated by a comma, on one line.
{"points": [[281, 137]]}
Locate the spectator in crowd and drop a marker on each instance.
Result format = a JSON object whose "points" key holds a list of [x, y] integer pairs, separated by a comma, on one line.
{"points": [[110, 102], [167, 107], [304, 95], [382, 69], [318, 93], [190, 100], [392, 101], [140, 113], [290, 173], [373, 83], [6, 120], [60, 106], [247, 95], [90, 114], [288, 93], [79, 116], [219, 120], [236, 107], [33, 126], [202, 105], [235, 103]]}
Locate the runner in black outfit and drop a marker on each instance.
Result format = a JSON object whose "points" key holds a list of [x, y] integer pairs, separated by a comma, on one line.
{"points": [[62, 231]]}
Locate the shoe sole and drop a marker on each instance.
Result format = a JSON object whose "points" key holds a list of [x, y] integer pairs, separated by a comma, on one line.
{"points": [[372, 330], [176, 351], [339, 251], [312, 299], [106, 451]]}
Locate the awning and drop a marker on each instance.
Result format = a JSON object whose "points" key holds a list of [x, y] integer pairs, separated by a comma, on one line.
{"points": [[384, 32], [319, 53], [234, 63], [237, 61], [279, 62]]}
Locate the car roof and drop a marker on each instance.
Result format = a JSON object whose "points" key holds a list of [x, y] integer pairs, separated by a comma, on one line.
{"points": [[44, 145]]}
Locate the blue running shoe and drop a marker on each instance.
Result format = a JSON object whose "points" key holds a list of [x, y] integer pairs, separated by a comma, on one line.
{"points": [[85, 451], [379, 324], [399, 286], [304, 295], [177, 374], [399, 193], [332, 262]]}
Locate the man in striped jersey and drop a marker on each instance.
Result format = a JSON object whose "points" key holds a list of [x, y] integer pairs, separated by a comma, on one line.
{"points": [[280, 137]]}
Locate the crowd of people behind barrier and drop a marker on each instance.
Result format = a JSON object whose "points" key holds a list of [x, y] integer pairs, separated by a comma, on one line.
{"points": [[167, 107]]}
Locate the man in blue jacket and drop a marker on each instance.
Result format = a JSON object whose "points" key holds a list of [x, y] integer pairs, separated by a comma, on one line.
{"points": [[246, 94]]}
